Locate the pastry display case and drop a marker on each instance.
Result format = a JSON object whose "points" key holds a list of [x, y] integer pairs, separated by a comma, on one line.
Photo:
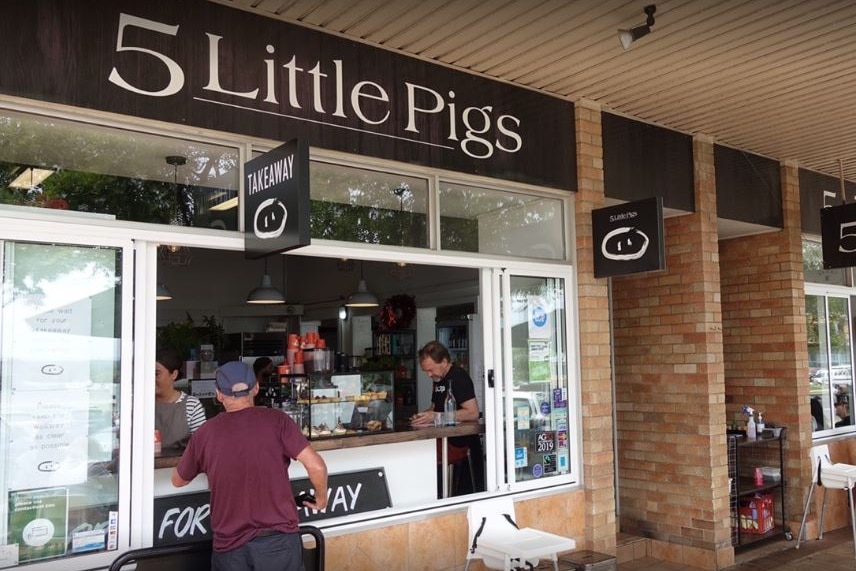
{"points": [[340, 405]]}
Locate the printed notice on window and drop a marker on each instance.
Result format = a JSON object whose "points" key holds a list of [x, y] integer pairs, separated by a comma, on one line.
{"points": [[539, 359], [48, 438], [38, 522]]}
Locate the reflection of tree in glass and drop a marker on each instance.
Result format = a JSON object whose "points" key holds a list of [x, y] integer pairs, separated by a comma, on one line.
{"points": [[132, 199], [34, 265], [108, 171], [366, 224]]}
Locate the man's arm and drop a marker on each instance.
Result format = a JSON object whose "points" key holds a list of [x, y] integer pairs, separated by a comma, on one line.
{"points": [[317, 470], [469, 411], [177, 480]]}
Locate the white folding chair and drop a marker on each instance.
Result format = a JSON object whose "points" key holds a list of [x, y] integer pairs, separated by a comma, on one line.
{"points": [[830, 476], [500, 544]]}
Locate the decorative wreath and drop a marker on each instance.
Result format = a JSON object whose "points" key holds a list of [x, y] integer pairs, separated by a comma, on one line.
{"points": [[398, 311]]}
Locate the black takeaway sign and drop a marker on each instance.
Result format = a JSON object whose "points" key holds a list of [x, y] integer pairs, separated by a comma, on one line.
{"points": [[185, 518], [838, 235], [628, 238], [276, 212]]}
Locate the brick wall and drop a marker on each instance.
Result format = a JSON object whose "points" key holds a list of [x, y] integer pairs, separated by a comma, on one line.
{"points": [[595, 351], [763, 316], [670, 390]]}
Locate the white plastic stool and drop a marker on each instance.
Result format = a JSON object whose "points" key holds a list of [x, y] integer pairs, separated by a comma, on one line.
{"points": [[829, 475], [496, 540]]}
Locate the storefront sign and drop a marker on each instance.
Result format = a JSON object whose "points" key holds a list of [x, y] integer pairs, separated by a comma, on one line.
{"points": [[276, 215], [838, 232], [819, 191], [199, 63], [628, 238], [185, 518]]}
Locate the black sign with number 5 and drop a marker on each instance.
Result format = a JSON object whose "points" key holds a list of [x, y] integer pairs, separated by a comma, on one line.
{"points": [[838, 232]]}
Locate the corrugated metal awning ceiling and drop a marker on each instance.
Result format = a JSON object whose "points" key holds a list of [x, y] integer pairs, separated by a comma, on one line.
{"points": [[774, 77]]}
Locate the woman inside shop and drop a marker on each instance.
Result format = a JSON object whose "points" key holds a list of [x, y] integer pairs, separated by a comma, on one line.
{"points": [[177, 414]]}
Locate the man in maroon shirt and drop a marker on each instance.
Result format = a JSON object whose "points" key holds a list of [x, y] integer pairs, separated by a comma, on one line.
{"points": [[245, 452]]}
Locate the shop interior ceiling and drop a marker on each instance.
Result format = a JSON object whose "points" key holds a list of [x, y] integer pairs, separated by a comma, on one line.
{"points": [[217, 282], [774, 77]]}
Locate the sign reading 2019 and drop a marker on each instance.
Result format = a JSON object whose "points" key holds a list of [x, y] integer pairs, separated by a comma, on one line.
{"points": [[628, 238], [276, 217]]}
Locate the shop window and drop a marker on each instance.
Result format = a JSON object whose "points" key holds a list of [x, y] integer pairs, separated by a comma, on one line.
{"points": [[351, 204], [814, 270], [59, 435], [539, 380], [829, 321], [497, 222], [67, 165]]}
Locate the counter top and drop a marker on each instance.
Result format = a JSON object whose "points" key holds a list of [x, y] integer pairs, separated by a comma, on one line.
{"points": [[403, 433]]}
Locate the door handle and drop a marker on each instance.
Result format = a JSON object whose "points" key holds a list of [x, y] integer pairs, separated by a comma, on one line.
{"points": [[490, 378]]}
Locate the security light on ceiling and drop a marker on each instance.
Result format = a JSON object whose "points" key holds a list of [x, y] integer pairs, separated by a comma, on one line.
{"points": [[627, 37]]}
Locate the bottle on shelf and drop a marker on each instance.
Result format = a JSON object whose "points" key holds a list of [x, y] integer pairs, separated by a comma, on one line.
{"points": [[751, 428], [449, 408], [759, 426]]}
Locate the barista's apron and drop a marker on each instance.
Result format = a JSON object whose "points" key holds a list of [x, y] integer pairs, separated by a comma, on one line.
{"points": [[171, 418]]}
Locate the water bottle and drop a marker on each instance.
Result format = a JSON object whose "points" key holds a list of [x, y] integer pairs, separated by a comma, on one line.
{"points": [[449, 407]]}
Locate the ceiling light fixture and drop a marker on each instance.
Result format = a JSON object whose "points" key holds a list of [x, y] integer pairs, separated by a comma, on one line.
{"points": [[163, 294], [225, 205], [30, 178], [627, 37], [362, 297], [266, 294]]}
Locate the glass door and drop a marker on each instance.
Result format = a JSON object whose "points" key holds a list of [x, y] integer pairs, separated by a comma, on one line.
{"points": [[535, 374], [64, 312]]}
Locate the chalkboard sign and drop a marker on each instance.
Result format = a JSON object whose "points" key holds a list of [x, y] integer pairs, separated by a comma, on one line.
{"points": [[185, 518]]}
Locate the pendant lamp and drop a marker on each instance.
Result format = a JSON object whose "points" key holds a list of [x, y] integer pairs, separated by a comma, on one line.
{"points": [[362, 297], [163, 293], [266, 294]]}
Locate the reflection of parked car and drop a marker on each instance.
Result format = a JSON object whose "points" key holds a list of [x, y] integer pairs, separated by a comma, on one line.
{"points": [[537, 420], [840, 374], [819, 376]]}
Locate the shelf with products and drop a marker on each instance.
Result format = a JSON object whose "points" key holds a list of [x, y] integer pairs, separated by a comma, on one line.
{"points": [[455, 336], [341, 404], [757, 486], [397, 349]]}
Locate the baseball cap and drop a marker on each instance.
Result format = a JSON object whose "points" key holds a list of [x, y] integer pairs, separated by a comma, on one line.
{"points": [[235, 379]]}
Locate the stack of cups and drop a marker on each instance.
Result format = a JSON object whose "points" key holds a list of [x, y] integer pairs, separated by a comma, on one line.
{"points": [[297, 366], [292, 348]]}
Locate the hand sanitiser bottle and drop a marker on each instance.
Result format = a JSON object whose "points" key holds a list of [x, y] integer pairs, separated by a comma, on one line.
{"points": [[449, 407], [750, 428]]}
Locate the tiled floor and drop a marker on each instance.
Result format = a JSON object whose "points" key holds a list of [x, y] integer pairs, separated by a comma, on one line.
{"points": [[832, 553]]}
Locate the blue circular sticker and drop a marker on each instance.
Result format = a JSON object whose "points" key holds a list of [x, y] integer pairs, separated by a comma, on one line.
{"points": [[537, 470], [539, 316], [545, 408]]}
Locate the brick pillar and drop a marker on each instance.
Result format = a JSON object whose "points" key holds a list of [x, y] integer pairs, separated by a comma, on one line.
{"points": [[595, 351], [766, 349], [670, 390]]}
